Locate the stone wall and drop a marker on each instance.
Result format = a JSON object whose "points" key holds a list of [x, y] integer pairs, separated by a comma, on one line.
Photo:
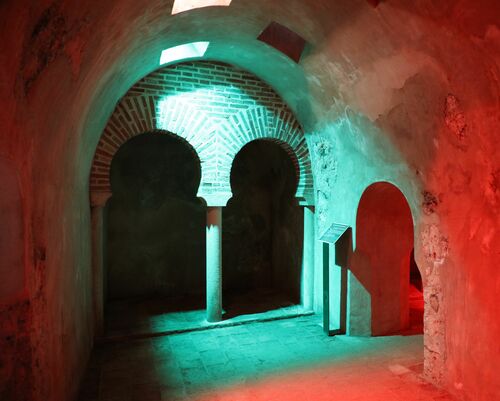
{"points": [[16, 323], [12, 275]]}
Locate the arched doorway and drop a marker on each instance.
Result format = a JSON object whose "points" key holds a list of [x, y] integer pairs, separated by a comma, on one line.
{"points": [[381, 260], [155, 239], [262, 241]]}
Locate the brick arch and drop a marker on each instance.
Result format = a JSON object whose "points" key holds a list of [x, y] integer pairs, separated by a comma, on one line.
{"points": [[217, 113], [134, 116], [178, 138], [279, 126], [288, 150]]}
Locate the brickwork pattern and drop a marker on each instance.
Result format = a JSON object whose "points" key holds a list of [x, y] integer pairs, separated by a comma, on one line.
{"points": [[217, 109]]}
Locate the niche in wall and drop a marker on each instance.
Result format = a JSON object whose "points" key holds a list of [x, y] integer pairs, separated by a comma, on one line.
{"points": [[155, 224], [381, 261], [262, 229]]}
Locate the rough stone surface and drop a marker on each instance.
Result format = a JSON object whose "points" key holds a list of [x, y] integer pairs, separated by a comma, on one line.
{"points": [[454, 117], [430, 202], [12, 275], [435, 245], [16, 370], [325, 166]]}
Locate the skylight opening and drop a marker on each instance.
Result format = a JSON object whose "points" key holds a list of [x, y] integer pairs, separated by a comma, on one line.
{"points": [[184, 52], [186, 5], [283, 39]]}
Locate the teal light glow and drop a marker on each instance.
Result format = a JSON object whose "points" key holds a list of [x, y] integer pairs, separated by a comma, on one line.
{"points": [[184, 52], [186, 5]]}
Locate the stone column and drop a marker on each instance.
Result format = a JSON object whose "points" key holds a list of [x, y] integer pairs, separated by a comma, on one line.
{"points": [[214, 263], [98, 203], [307, 286]]}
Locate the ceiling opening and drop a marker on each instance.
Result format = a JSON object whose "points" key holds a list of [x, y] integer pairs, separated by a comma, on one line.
{"points": [[183, 52], [284, 40], [186, 5]]}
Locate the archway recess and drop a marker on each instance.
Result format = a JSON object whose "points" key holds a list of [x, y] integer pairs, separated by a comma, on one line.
{"points": [[381, 261], [155, 221], [263, 232], [217, 108]]}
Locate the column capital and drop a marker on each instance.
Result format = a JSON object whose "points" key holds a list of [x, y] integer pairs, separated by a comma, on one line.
{"points": [[216, 199], [307, 202], [98, 198]]}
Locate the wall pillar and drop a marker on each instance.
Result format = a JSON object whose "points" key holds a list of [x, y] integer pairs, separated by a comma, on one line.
{"points": [[214, 263], [307, 285], [98, 203]]}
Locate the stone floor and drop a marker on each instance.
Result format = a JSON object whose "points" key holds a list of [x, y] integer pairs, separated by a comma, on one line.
{"points": [[282, 360], [140, 317]]}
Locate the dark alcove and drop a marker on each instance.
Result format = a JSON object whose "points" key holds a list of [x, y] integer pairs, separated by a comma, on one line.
{"points": [[155, 229], [262, 231]]}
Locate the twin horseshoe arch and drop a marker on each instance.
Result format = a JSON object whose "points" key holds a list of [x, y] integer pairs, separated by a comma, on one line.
{"points": [[216, 141]]}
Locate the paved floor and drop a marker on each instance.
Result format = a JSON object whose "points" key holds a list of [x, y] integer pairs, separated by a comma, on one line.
{"points": [[142, 316], [283, 360]]}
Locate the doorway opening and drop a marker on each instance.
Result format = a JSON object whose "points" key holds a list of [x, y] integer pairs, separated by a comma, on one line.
{"points": [[155, 236], [262, 240], [383, 260]]}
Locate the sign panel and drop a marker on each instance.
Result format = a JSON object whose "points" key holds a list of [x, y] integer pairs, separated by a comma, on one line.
{"points": [[333, 233], [334, 279]]}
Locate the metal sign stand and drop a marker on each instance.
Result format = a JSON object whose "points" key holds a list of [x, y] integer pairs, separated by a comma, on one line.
{"points": [[339, 236]]}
